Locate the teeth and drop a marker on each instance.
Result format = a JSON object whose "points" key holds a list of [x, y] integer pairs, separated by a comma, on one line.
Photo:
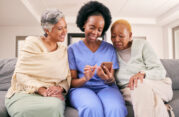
{"points": [[93, 37]]}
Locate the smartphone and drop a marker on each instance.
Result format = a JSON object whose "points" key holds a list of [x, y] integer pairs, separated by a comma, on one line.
{"points": [[106, 64]]}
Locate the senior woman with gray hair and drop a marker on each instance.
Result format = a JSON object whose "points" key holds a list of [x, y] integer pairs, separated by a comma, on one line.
{"points": [[42, 76]]}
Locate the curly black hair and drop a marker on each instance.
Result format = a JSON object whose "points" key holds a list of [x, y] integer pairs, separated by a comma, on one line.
{"points": [[93, 8]]}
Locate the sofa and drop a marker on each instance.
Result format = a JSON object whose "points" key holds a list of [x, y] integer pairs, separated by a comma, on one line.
{"points": [[7, 67]]}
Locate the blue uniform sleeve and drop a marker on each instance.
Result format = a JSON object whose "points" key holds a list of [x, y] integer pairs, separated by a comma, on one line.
{"points": [[71, 59], [114, 60]]}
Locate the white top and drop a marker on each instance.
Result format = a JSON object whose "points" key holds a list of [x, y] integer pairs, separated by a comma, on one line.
{"points": [[125, 54], [142, 58]]}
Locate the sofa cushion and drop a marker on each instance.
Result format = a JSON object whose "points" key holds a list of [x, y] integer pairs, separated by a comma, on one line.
{"points": [[172, 68], [6, 71], [130, 111], [175, 102], [3, 111]]}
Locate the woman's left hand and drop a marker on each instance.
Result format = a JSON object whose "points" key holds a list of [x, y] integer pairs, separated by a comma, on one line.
{"points": [[108, 76], [55, 91], [134, 79]]}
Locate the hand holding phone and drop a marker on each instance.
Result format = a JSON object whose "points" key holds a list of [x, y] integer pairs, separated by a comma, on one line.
{"points": [[108, 65], [105, 72]]}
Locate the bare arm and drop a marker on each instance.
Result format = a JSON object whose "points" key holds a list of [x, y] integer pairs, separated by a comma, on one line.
{"points": [[88, 74], [77, 82]]}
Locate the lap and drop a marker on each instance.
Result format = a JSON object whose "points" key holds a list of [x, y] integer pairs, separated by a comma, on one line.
{"points": [[108, 99], [111, 96], [161, 88], [21, 102], [83, 96]]}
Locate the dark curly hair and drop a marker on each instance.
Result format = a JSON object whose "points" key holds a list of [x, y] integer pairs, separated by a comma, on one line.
{"points": [[93, 8]]}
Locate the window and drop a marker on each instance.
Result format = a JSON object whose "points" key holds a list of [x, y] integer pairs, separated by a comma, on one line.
{"points": [[19, 43], [175, 32]]}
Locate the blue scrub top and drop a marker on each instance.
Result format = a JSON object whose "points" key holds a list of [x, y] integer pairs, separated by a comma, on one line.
{"points": [[79, 55]]}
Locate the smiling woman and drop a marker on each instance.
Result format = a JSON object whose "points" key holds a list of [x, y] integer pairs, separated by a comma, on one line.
{"points": [[31, 84], [141, 77], [94, 93]]}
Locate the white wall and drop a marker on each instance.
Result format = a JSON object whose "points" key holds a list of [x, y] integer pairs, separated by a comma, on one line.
{"points": [[154, 36], [8, 36]]}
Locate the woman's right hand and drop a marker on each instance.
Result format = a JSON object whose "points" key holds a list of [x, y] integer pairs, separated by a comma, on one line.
{"points": [[108, 76], [134, 80], [52, 91], [55, 91], [42, 91], [89, 72]]}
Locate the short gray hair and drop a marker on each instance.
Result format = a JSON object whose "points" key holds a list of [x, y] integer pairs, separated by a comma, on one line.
{"points": [[50, 17]]}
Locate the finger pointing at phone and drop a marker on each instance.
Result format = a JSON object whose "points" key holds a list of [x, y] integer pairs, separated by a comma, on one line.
{"points": [[89, 71]]}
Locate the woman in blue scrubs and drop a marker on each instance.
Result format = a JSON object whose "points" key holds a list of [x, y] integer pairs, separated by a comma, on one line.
{"points": [[94, 93]]}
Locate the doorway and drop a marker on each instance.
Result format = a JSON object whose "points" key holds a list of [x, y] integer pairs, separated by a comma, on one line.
{"points": [[176, 42]]}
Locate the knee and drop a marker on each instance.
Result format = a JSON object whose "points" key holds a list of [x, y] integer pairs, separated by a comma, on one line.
{"points": [[122, 110], [20, 112], [142, 93], [119, 109], [91, 109], [142, 88], [93, 106], [56, 105]]}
